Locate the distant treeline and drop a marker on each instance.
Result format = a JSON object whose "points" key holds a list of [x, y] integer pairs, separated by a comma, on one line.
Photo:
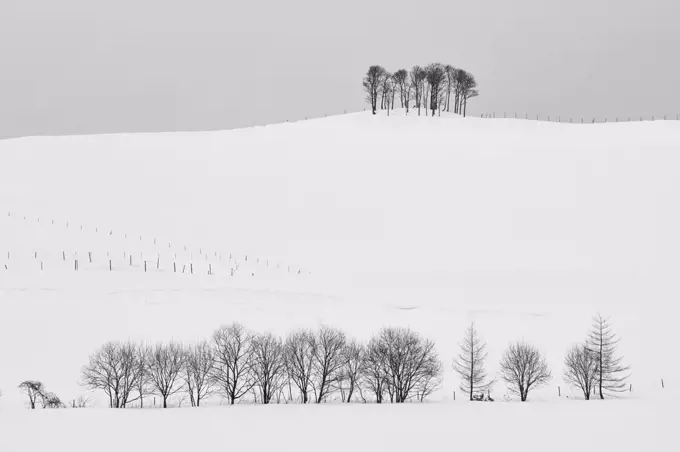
{"points": [[435, 87]]}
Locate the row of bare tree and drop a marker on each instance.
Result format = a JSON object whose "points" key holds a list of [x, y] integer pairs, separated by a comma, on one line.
{"points": [[435, 87], [592, 367], [396, 365]]}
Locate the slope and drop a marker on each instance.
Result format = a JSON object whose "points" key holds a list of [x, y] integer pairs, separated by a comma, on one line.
{"points": [[528, 228]]}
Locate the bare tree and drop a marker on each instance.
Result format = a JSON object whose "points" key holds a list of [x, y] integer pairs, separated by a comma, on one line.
{"points": [[116, 369], [372, 82], [436, 78], [197, 372], [300, 350], [328, 361], [269, 365], [524, 368], [233, 370], [401, 83], [467, 85], [143, 384], [385, 90], [469, 364], [166, 362], [417, 79], [51, 400], [581, 369], [375, 375], [34, 390], [408, 361], [602, 342], [354, 357], [450, 83]]}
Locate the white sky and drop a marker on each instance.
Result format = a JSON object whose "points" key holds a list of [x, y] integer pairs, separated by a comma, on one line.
{"points": [[92, 66]]}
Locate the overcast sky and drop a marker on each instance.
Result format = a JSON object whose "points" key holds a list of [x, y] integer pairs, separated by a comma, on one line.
{"points": [[93, 66]]}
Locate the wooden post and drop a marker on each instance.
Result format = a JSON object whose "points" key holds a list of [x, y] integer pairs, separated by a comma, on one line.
{"points": [[144, 266], [76, 265], [454, 395], [158, 263], [210, 269], [630, 389], [662, 385], [110, 265], [174, 267], [130, 260], [559, 392], [191, 266], [89, 253], [41, 269]]}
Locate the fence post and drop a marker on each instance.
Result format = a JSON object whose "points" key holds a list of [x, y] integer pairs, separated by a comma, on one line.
{"points": [[89, 253], [630, 389], [110, 266], [130, 260], [662, 385], [191, 266], [174, 267], [76, 265], [454, 395], [145, 266], [559, 392], [210, 269]]}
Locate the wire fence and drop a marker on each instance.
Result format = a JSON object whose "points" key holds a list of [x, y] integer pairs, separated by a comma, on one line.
{"points": [[579, 120]]}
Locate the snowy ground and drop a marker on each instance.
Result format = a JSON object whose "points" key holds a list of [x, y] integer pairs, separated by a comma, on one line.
{"points": [[528, 228], [620, 425]]}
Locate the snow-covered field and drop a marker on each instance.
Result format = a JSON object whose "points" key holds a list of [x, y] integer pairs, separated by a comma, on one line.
{"points": [[533, 427], [528, 228]]}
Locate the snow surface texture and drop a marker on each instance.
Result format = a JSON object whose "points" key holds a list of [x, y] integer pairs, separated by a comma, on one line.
{"points": [[527, 228]]}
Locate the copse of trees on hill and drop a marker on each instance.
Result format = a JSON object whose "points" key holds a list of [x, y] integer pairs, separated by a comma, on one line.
{"points": [[434, 88]]}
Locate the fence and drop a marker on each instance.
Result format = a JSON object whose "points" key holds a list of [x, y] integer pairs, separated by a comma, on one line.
{"points": [[131, 253], [578, 120]]}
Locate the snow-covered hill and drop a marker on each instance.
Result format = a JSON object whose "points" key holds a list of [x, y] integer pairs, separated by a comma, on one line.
{"points": [[528, 228]]}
